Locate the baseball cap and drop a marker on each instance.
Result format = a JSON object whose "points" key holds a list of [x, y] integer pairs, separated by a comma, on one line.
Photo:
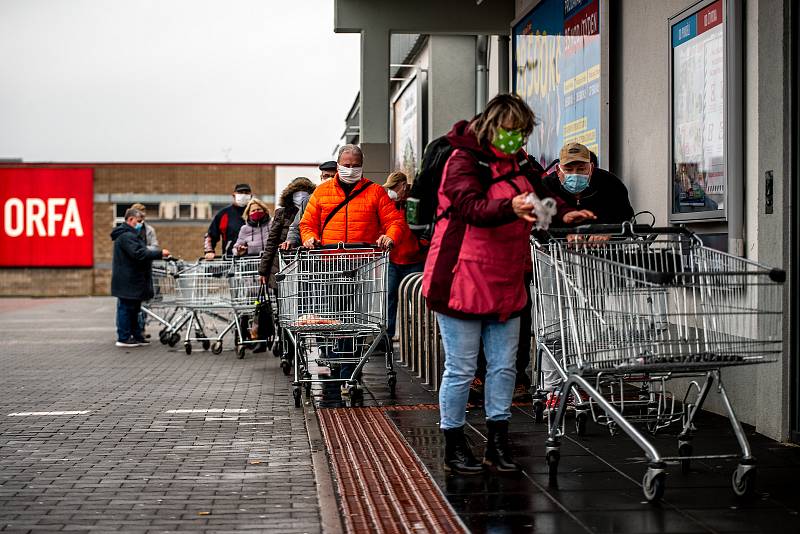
{"points": [[242, 188], [572, 152], [328, 166]]}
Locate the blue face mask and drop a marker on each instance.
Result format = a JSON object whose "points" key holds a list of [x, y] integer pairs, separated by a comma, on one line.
{"points": [[575, 183], [138, 226]]}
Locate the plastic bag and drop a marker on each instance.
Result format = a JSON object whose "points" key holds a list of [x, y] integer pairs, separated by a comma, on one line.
{"points": [[543, 209]]}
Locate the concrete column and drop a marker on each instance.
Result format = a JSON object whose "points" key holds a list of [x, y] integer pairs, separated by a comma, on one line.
{"points": [[451, 82], [503, 71], [374, 113]]}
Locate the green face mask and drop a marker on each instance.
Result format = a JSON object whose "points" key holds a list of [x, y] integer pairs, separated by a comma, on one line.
{"points": [[508, 141]]}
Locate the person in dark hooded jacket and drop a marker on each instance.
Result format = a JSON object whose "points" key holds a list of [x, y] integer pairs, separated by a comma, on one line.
{"points": [[289, 204], [131, 277]]}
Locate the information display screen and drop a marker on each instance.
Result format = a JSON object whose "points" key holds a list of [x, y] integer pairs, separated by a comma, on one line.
{"points": [[698, 112]]}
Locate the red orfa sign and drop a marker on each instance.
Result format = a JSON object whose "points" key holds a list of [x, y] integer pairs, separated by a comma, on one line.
{"points": [[46, 217]]}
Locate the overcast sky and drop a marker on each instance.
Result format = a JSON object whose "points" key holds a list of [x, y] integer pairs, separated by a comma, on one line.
{"points": [[173, 80]]}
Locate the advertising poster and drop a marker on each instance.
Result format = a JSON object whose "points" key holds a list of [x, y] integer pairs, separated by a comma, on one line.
{"points": [[406, 130], [698, 112], [47, 217], [557, 71]]}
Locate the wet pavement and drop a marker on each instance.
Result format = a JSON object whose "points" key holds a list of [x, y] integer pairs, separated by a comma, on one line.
{"points": [[599, 483]]}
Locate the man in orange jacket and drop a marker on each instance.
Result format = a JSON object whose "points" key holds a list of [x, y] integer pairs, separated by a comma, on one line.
{"points": [[350, 208]]}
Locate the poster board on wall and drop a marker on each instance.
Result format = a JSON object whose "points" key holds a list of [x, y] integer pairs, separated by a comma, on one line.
{"points": [[699, 122], [560, 68], [407, 128]]}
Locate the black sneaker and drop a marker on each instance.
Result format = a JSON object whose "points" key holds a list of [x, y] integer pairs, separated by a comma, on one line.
{"points": [[142, 342], [128, 343]]}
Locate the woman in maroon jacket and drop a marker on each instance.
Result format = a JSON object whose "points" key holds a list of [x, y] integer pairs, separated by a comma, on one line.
{"points": [[475, 271]]}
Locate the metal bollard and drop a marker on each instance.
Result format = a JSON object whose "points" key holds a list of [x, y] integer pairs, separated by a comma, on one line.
{"points": [[404, 318]]}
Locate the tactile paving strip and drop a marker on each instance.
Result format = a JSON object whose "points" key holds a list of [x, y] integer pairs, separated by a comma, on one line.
{"points": [[382, 484]]}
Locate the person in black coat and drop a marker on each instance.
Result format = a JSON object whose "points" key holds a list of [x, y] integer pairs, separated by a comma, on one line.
{"points": [[227, 222], [131, 277], [579, 182]]}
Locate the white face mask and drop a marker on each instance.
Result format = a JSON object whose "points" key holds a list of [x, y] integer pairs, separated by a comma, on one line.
{"points": [[298, 197], [393, 194], [349, 175], [241, 199]]}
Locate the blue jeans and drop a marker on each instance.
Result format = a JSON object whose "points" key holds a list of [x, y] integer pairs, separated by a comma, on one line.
{"points": [[128, 319], [396, 274], [461, 339]]}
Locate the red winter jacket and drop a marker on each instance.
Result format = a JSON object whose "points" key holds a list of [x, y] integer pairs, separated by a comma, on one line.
{"points": [[406, 250], [480, 250]]}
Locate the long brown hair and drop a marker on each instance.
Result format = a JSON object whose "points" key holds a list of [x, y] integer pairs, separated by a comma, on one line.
{"points": [[504, 107]]}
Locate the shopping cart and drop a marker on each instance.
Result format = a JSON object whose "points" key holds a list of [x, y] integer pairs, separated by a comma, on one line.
{"points": [[333, 300], [624, 316], [248, 298], [283, 346], [162, 307], [203, 290]]}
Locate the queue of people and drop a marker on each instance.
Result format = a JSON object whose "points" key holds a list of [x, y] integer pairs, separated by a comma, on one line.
{"points": [[476, 267]]}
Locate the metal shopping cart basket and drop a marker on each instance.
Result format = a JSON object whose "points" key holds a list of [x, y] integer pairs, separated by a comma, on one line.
{"points": [[643, 306], [203, 290], [249, 298], [162, 307], [333, 299]]}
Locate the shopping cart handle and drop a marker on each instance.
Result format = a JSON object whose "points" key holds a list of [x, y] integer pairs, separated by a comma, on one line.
{"points": [[349, 246], [619, 229]]}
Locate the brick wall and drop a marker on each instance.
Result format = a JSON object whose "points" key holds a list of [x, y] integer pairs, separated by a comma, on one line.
{"points": [[183, 240], [190, 179], [44, 282]]}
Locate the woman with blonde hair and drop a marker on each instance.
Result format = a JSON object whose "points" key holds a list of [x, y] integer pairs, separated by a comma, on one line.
{"points": [[407, 256], [255, 231], [474, 276]]}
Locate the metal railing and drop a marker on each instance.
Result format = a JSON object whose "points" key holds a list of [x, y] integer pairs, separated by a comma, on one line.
{"points": [[420, 344]]}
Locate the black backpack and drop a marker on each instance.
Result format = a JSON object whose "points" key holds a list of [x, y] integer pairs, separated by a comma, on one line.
{"points": [[424, 196], [423, 200]]}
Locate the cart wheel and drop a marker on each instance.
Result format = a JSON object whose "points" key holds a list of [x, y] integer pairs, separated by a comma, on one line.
{"points": [[744, 481], [552, 458], [286, 367], [163, 336], [538, 412], [206, 344], [240, 351], [685, 449], [392, 386], [653, 484], [216, 348], [296, 394], [187, 347], [581, 418], [173, 339]]}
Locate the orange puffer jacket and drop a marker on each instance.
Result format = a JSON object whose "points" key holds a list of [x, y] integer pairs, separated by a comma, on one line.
{"points": [[362, 220]]}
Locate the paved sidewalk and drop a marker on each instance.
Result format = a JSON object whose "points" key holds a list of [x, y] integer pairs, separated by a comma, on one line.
{"points": [[129, 464]]}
